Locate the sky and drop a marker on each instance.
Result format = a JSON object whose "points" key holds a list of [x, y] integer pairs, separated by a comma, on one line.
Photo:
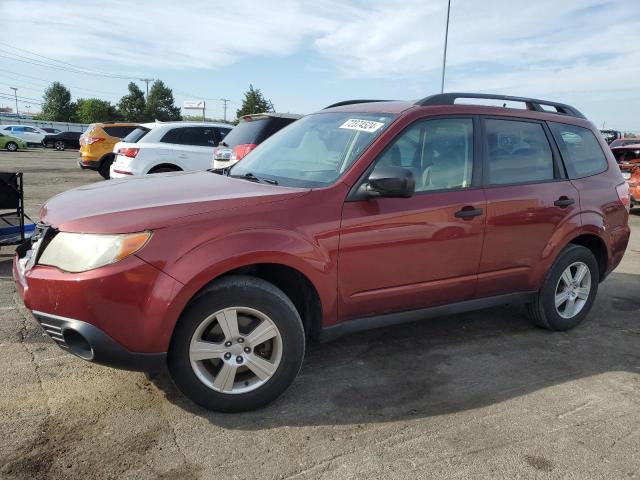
{"points": [[307, 54]]}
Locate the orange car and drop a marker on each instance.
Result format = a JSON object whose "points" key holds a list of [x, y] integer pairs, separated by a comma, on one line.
{"points": [[634, 187], [96, 144]]}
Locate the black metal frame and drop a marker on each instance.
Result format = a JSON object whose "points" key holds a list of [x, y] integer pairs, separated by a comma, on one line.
{"points": [[19, 211], [531, 103]]}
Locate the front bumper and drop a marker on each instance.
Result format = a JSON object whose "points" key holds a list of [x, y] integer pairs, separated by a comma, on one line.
{"points": [[90, 343], [120, 314]]}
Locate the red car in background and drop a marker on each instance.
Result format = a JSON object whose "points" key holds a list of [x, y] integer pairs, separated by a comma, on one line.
{"points": [[628, 158], [362, 215]]}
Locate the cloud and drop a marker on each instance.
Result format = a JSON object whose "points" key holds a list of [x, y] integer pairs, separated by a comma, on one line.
{"points": [[580, 50]]}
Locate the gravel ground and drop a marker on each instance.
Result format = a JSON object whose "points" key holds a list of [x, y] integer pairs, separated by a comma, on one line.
{"points": [[481, 395]]}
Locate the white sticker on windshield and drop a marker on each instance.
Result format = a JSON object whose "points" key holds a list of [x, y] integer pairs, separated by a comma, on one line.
{"points": [[361, 125]]}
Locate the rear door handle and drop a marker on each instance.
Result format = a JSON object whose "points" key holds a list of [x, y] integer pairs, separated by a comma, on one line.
{"points": [[564, 201], [468, 212]]}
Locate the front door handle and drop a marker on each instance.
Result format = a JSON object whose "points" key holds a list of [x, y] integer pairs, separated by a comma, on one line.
{"points": [[468, 212], [564, 202]]}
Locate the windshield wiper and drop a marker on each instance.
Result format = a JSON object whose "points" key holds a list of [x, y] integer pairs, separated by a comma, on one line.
{"points": [[251, 177]]}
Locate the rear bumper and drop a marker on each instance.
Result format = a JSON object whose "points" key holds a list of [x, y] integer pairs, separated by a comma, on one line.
{"points": [[90, 343]]}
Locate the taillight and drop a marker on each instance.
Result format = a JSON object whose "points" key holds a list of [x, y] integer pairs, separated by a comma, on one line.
{"points": [[623, 195], [130, 152], [92, 140], [241, 151]]}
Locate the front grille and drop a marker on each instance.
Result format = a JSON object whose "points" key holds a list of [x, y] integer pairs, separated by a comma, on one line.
{"points": [[53, 329]]}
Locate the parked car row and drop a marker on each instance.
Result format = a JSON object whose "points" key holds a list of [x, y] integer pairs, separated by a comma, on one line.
{"points": [[361, 215], [42, 136]]}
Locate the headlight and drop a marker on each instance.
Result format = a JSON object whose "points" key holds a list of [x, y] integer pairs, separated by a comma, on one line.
{"points": [[79, 252]]}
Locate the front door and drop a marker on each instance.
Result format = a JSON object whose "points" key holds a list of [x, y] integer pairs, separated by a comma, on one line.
{"points": [[400, 254]]}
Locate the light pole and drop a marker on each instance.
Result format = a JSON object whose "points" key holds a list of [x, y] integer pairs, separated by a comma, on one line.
{"points": [[444, 54], [15, 92], [224, 106], [146, 81]]}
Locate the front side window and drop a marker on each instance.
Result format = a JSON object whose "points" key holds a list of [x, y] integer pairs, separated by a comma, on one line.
{"points": [[438, 152], [315, 150], [198, 136], [30, 130], [517, 152], [580, 150]]}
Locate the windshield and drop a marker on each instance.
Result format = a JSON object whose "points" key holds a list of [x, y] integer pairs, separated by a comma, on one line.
{"points": [[315, 150]]}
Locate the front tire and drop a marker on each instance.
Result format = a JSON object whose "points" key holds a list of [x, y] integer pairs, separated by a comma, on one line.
{"points": [[568, 292], [237, 346], [11, 146]]}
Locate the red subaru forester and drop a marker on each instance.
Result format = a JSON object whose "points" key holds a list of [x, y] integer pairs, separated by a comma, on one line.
{"points": [[365, 214]]}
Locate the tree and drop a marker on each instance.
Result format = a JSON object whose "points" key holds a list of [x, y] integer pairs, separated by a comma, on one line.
{"points": [[254, 102], [132, 106], [160, 103], [92, 110], [57, 106]]}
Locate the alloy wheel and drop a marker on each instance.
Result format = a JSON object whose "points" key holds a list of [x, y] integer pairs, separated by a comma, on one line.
{"points": [[572, 290], [235, 350], [12, 147]]}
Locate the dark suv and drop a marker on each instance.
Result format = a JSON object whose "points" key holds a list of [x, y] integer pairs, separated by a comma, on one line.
{"points": [[250, 132], [362, 215]]}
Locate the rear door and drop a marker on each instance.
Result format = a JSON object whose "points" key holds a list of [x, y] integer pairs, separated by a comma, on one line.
{"points": [[194, 148], [529, 198], [400, 254]]}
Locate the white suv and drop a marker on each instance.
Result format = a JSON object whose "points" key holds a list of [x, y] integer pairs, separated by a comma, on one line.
{"points": [[167, 147], [31, 135]]}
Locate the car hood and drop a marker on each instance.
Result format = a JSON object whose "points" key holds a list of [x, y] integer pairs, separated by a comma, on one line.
{"points": [[154, 201]]}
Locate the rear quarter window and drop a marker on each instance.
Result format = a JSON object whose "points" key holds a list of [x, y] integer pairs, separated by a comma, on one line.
{"points": [[580, 149]]}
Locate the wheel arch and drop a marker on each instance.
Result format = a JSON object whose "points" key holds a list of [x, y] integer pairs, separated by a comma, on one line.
{"points": [[597, 246], [294, 284], [173, 166]]}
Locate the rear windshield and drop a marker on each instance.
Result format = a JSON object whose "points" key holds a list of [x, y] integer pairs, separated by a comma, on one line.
{"points": [[254, 131], [136, 135], [119, 132]]}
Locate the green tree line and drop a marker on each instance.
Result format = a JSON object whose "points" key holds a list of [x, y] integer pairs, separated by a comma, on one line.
{"points": [[133, 107]]}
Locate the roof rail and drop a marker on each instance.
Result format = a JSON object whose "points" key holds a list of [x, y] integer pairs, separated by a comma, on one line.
{"points": [[353, 102], [531, 103]]}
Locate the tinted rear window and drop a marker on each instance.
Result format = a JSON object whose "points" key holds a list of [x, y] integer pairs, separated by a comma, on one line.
{"points": [[517, 152], [254, 132], [197, 136], [118, 132], [580, 150], [136, 134]]}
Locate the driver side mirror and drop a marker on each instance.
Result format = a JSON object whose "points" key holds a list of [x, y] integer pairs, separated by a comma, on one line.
{"points": [[390, 182]]}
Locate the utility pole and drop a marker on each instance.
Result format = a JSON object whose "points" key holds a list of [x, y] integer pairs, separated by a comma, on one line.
{"points": [[224, 107], [147, 80], [446, 39], [15, 92]]}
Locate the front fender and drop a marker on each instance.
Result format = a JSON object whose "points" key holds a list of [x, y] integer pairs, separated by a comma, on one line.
{"points": [[198, 267]]}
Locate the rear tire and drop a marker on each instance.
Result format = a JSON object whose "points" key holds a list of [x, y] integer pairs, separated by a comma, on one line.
{"points": [[237, 346], [568, 291], [105, 166], [59, 145], [11, 146]]}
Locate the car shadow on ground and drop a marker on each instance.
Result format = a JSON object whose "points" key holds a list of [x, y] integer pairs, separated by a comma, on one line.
{"points": [[441, 365], [445, 365]]}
